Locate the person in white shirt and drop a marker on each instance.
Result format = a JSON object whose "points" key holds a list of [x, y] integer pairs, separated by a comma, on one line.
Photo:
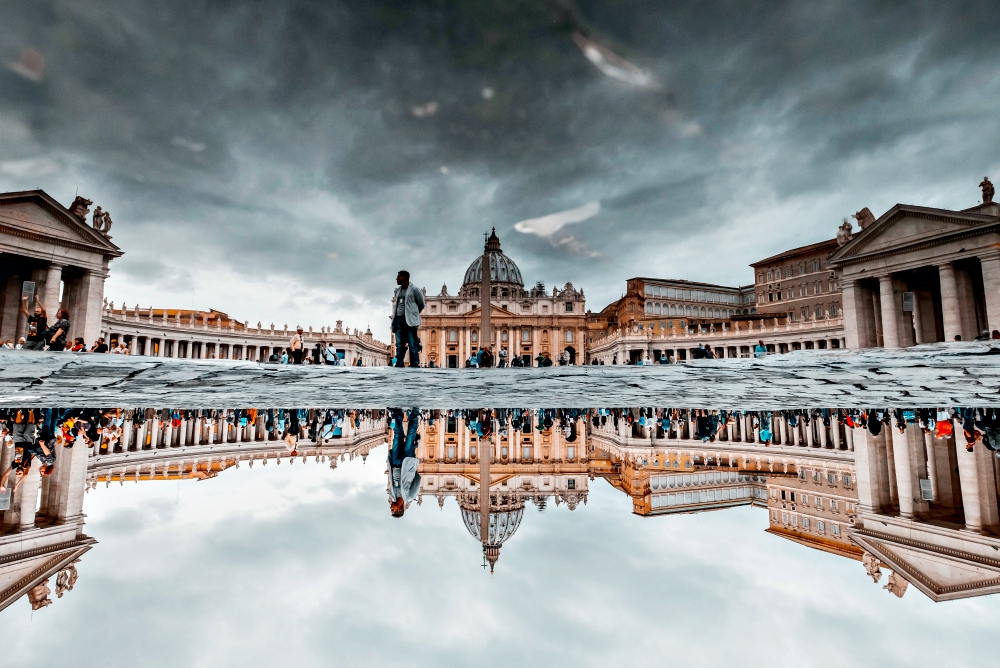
{"points": [[330, 354]]}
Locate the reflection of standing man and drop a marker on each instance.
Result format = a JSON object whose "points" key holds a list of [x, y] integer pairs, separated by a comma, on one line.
{"points": [[407, 303], [404, 481]]}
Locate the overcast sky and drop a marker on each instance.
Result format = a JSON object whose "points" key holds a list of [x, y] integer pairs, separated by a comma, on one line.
{"points": [[280, 160]]}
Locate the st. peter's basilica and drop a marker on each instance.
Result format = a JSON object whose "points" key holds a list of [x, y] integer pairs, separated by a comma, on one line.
{"points": [[528, 321]]}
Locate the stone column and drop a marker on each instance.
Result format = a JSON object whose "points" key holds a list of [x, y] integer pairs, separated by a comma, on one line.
{"points": [[877, 317], [53, 285], [928, 439], [855, 319], [949, 302], [72, 482], [890, 313], [23, 501], [11, 309], [991, 288], [866, 469], [91, 295], [968, 474]]}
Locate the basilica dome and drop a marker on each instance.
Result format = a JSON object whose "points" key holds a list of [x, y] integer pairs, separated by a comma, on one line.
{"points": [[502, 268], [506, 512]]}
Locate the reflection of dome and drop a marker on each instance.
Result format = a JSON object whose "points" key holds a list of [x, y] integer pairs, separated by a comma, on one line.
{"points": [[506, 511], [502, 268]]}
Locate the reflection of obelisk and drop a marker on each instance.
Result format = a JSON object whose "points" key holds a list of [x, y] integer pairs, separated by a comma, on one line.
{"points": [[485, 453]]}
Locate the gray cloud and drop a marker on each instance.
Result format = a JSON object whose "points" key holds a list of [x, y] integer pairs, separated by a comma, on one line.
{"points": [[252, 142]]}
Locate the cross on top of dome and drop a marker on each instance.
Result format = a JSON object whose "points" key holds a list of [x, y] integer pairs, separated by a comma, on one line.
{"points": [[493, 242]]}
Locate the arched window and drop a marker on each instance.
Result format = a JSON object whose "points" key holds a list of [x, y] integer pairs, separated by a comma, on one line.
{"points": [[703, 315], [673, 309], [687, 310], [569, 336], [718, 313], [656, 309], [649, 307]]}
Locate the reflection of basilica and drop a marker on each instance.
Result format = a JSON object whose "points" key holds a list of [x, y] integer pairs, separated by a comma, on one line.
{"points": [[545, 458], [528, 321]]}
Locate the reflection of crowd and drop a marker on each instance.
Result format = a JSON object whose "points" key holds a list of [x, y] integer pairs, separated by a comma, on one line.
{"points": [[38, 434], [978, 424]]}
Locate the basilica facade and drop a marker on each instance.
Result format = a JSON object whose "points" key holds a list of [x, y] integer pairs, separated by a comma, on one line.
{"points": [[526, 322]]}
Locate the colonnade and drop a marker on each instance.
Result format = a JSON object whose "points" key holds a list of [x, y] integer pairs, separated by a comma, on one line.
{"points": [[946, 301], [157, 333]]}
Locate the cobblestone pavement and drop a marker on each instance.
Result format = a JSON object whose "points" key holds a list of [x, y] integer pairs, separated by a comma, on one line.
{"points": [[963, 374]]}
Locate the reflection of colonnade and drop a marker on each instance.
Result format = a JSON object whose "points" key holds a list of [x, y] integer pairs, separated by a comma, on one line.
{"points": [[42, 533], [214, 335], [203, 462], [928, 507], [925, 507], [669, 472], [158, 430]]}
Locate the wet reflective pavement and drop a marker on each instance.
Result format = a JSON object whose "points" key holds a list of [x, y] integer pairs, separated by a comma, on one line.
{"points": [[611, 535]]}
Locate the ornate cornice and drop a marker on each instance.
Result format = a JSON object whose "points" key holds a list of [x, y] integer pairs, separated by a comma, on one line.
{"points": [[56, 241], [973, 228]]}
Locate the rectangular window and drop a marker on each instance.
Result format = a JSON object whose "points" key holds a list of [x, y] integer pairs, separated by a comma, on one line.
{"points": [[820, 526], [836, 529], [834, 506], [571, 452], [784, 518], [526, 335], [569, 307], [805, 523]]}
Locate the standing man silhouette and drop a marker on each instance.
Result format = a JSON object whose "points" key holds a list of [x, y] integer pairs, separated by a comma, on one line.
{"points": [[407, 303]]}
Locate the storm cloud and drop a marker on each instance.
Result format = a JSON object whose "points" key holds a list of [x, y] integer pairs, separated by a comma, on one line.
{"points": [[282, 160]]}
